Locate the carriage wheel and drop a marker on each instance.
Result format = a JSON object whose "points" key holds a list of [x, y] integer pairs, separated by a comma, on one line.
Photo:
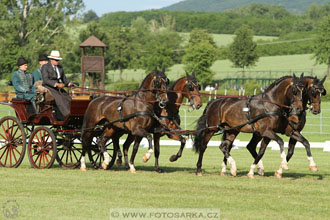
{"points": [[69, 152], [12, 142], [96, 157], [42, 148]]}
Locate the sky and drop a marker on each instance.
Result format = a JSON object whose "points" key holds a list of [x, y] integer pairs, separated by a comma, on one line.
{"points": [[105, 6]]}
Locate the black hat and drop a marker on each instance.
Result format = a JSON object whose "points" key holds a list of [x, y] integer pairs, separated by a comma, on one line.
{"points": [[21, 61], [43, 57]]}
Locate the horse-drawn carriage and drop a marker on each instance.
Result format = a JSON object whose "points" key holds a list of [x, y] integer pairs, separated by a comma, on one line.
{"points": [[48, 139], [96, 126], [45, 138]]}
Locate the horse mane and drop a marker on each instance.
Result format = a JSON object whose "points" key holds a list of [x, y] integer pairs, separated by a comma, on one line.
{"points": [[172, 87], [277, 82], [145, 79]]}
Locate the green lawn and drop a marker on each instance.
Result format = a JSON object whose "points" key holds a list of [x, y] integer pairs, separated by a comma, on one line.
{"points": [[225, 39], [58, 193], [273, 67]]}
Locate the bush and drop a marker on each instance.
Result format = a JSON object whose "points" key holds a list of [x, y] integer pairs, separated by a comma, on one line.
{"points": [[123, 86]]}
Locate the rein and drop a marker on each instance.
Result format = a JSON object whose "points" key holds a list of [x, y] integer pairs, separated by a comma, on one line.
{"points": [[201, 94]]}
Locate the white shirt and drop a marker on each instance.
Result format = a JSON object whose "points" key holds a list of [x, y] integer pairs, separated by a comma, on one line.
{"points": [[58, 73]]}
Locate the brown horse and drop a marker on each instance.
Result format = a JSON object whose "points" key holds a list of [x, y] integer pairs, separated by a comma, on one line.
{"points": [[185, 87], [292, 127], [116, 116], [258, 114]]}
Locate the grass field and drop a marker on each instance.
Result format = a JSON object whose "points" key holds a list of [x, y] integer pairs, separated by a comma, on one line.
{"points": [[225, 39], [271, 67], [58, 193]]}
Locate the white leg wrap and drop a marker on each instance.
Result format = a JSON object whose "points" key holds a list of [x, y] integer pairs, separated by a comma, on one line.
{"points": [[148, 155], [311, 161], [280, 170], [131, 166], [253, 166], [223, 170], [106, 158], [82, 163], [283, 156], [261, 165], [232, 162]]}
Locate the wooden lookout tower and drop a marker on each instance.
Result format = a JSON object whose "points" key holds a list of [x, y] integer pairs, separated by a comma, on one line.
{"points": [[92, 64]]}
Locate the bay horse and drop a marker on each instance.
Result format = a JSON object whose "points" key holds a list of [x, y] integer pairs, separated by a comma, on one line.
{"points": [[169, 119], [292, 127], [257, 114], [117, 116]]}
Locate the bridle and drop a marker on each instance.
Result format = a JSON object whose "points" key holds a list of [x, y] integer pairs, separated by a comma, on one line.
{"points": [[296, 88], [312, 92], [158, 82], [192, 85]]}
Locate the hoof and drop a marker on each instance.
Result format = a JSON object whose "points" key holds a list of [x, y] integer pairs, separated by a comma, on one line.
{"points": [[118, 163], [104, 165], [223, 174], [313, 168], [261, 172], [126, 166], [278, 175], [159, 170], [284, 166], [145, 158], [132, 170], [199, 174], [251, 176], [173, 158], [233, 172], [83, 169]]}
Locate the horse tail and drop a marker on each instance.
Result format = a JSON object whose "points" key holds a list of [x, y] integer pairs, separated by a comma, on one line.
{"points": [[199, 133], [201, 128]]}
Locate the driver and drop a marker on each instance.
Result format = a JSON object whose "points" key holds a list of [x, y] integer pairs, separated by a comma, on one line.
{"points": [[54, 79]]}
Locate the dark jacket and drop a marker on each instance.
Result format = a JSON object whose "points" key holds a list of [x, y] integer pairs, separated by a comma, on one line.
{"points": [[49, 76]]}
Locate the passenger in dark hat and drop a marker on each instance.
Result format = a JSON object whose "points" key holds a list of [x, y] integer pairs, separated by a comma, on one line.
{"points": [[37, 77], [23, 83], [43, 59], [21, 61]]}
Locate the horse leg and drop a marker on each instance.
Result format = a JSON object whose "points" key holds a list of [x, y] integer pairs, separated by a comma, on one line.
{"points": [[85, 143], [106, 135], [284, 164], [116, 145], [129, 140], [227, 143], [296, 136], [174, 157], [257, 159], [206, 139], [252, 146], [224, 161], [135, 149], [120, 156], [147, 155], [156, 153]]}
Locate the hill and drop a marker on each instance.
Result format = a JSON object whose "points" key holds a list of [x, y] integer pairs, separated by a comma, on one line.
{"points": [[296, 6]]}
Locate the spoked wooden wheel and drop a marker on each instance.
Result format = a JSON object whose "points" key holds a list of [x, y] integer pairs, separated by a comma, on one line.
{"points": [[96, 157], [12, 142], [69, 152], [42, 148]]}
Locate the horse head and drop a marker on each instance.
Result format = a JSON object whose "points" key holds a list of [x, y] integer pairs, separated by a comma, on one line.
{"points": [[294, 94], [159, 83], [315, 89], [191, 91]]}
